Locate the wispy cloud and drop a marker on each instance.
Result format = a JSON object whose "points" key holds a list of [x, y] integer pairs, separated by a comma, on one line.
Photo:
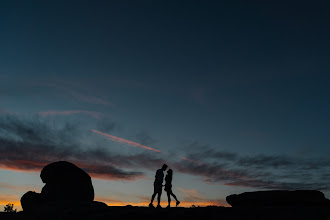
{"points": [[124, 141], [30, 144], [94, 114], [258, 171]]}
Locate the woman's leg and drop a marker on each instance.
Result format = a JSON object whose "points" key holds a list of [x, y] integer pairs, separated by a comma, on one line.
{"points": [[174, 196]]}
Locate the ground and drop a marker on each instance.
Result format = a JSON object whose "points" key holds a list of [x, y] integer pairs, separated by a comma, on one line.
{"points": [[223, 213]]}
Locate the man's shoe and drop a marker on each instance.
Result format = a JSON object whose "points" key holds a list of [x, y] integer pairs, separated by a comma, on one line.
{"points": [[177, 203], [158, 207], [151, 205]]}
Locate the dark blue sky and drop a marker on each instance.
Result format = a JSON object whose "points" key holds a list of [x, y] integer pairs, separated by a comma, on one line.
{"points": [[245, 77]]}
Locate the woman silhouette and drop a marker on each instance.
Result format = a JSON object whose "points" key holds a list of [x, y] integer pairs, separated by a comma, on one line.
{"points": [[168, 188]]}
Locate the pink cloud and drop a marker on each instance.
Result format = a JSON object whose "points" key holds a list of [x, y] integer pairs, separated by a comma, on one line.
{"points": [[96, 170], [124, 141]]}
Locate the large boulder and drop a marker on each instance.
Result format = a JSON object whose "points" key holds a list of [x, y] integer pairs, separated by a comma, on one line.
{"points": [[65, 185], [66, 181], [278, 198]]}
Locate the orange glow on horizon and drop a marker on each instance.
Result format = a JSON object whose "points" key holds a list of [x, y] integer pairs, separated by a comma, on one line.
{"points": [[185, 204], [124, 141], [17, 204], [6, 199]]}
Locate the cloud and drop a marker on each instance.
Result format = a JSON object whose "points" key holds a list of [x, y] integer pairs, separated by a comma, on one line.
{"points": [[191, 195], [30, 144], [283, 161], [211, 172], [124, 141], [258, 171], [204, 152]]}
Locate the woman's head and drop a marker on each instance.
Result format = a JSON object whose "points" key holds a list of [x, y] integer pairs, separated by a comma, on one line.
{"points": [[170, 171]]}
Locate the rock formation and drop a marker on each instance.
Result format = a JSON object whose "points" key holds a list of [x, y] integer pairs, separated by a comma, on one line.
{"points": [[66, 181], [278, 198], [65, 185]]}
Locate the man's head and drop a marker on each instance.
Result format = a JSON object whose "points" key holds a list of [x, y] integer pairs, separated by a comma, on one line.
{"points": [[164, 167]]}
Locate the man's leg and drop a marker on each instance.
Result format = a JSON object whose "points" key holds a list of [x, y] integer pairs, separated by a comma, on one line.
{"points": [[159, 195], [152, 198]]}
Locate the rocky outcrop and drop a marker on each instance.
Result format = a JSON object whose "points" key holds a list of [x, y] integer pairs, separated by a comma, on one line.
{"points": [[279, 198], [66, 181], [66, 185]]}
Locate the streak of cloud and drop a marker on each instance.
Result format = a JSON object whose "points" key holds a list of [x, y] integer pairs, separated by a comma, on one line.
{"points": [[124, 141]]}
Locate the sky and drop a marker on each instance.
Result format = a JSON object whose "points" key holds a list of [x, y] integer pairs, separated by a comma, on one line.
{"points": [[232, 95]]}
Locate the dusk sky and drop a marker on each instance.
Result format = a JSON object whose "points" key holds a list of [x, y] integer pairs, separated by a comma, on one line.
{"points": [[233, 95]]}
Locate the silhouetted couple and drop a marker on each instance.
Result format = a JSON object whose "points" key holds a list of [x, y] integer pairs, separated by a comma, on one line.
{"points": [[158, 184]]}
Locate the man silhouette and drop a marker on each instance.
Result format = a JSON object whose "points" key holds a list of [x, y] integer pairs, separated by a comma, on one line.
{"points": [[158, 184]]}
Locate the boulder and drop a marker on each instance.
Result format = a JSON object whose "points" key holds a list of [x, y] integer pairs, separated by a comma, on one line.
{"points": [[66, 181], [66, 185], [30, 200], [278, 198]]}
